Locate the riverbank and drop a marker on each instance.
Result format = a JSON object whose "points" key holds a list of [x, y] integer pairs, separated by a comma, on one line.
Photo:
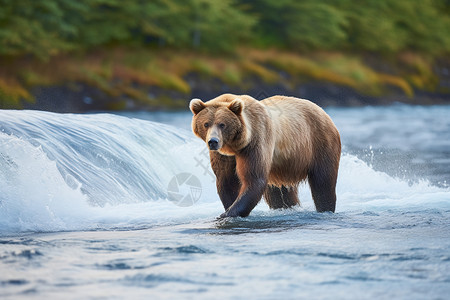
{"points": [[154, 79]]}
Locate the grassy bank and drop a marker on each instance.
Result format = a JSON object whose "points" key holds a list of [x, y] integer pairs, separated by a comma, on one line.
{"points": [[133, 72]]}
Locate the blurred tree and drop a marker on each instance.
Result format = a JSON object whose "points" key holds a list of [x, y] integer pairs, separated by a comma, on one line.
{"points": [[219, 25], [384, 26], [35, 27], [47, 27], [299, 24], [390, 26], [315, 25]]}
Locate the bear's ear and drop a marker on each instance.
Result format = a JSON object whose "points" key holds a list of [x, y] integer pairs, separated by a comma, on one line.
{"points": [[236, 106], [196, 106]]}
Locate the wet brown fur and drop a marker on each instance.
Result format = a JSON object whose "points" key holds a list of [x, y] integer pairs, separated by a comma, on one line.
{"points": [[268, 147]]}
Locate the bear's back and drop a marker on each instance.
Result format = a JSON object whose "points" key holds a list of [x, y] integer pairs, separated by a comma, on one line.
{"points": [[300, 129], [289, 113]]}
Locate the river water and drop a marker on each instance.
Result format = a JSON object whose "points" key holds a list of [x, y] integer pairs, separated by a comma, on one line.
{"points": [[102, 206]]}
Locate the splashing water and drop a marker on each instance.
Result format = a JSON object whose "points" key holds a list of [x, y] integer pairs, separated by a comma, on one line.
{"points": [[69, 172]]}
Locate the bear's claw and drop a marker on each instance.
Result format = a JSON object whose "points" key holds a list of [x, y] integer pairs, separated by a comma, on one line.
{"points": [[229, 214]]}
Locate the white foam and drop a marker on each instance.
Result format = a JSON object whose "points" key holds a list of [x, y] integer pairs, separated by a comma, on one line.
{"points": [[361, 187], [35, 197], [34, 194]]}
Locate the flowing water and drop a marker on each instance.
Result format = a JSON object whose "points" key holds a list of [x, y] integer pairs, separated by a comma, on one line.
{"points": [[91, 207]]}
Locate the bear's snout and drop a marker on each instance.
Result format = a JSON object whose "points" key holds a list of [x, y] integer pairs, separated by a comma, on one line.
{"points": [[213, 143]]}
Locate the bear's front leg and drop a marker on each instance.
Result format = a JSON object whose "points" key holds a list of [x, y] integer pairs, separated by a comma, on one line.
{"points": [[227, 181], [253, 174], [248, 198]]}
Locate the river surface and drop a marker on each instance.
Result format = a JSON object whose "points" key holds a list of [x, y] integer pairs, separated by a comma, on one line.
{"points": [[103, 206]]}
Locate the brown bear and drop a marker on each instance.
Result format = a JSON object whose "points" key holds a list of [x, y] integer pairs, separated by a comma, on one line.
{"points": [[267, 148]]}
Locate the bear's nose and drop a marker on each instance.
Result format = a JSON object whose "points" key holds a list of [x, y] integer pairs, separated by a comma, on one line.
{"points": [[213, 144]]}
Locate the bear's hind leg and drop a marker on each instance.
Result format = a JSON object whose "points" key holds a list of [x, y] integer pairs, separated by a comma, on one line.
{"points": [[323, 189], [283, 197]]}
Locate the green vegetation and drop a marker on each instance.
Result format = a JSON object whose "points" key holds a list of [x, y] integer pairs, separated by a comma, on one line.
{"points": [[48, 27], [120, 47]]}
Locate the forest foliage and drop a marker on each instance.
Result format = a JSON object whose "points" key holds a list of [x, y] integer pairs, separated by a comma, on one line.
{"points": [[46, 28]]}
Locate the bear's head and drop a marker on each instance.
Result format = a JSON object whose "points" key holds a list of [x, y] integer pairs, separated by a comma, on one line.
{"points": [[220, 124]]}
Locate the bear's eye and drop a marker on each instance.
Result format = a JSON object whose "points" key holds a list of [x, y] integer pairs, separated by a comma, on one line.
{"points": [[206, 125], [222, 126]]}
